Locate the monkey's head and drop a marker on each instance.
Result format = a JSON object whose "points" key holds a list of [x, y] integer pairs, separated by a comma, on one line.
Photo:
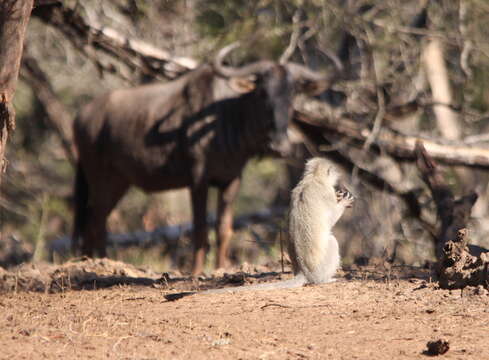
{"points": [[323, 169]]}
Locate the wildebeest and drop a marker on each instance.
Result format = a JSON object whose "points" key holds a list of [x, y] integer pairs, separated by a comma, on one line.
{"points": [[196, 131]]}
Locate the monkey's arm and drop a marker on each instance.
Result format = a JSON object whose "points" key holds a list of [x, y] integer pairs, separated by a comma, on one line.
{"points": [[344, 200]]}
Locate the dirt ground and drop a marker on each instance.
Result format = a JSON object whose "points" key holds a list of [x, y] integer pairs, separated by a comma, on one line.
{"points": [[101, 309]]}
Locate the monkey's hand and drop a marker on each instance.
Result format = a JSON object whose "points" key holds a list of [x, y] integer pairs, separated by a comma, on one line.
{"points": [[345, 198]]}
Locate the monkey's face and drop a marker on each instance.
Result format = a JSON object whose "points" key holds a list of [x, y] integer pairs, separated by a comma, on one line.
{"points": [[333, 175], [342, 193]]}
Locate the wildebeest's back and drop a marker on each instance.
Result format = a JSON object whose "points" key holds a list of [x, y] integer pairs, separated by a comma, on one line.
{"points": [[140, 133]]}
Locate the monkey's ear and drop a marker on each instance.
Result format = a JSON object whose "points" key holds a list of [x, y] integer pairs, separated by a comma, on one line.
{"points": [[319, 171]]}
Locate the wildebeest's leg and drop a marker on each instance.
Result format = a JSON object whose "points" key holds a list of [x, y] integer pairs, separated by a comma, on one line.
{"points": [[80, 208], [224, 225], [94, 241], [200, 236], [103, 198]]}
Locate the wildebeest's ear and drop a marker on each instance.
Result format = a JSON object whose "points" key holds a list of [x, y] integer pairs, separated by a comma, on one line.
{"points": [[242, 85], [312, 88]]}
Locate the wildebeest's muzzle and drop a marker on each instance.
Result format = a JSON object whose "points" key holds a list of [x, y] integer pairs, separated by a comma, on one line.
{"points": [[281, 145]]}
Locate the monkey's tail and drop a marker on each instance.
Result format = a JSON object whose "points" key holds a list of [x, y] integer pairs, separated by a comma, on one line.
{"points": [[297, 281], [80, 195]]}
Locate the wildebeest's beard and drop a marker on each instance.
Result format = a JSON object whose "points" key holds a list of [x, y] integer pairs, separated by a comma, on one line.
{"points": [[279, 91]]}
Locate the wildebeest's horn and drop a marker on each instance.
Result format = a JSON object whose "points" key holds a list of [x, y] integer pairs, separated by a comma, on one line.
{"points": [[302, 72], [228, 71]]}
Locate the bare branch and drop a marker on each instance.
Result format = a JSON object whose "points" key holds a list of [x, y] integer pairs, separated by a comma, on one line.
{"points": [[136, 54], [395, 144], [468, 45], [294, 37]]}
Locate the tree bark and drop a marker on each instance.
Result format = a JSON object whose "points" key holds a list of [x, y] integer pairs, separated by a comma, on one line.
{"points": [[14, 16]]}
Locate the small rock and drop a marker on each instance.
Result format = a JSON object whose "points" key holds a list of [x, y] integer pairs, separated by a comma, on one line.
{"points": [[25, 332], [438, 347]]}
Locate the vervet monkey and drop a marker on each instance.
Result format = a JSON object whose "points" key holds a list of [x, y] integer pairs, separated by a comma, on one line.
{"points": [[315, 208]]}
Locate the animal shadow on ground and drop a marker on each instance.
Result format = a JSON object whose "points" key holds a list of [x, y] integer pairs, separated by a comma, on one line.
{"points": [[374, 272], [93, 274]]}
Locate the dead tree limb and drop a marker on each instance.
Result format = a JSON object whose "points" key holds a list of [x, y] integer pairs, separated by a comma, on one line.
{"points": [[397, 145], [456, 268], [14, 16], [136, 54], [58, 117]]}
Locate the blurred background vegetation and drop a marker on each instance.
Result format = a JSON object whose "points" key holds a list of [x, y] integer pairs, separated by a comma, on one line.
{"points": [[36, 193]]}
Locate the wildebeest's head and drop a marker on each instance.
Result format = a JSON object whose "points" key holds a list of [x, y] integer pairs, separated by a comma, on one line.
{"points": [[276, 84]]}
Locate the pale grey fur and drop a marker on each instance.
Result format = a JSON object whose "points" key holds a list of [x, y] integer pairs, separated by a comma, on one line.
{"points": [[314, 209]]}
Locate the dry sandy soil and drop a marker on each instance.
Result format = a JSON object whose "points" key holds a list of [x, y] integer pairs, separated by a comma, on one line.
{"points": [[108, 310]]}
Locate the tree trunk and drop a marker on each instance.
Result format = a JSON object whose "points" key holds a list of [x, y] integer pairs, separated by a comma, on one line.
{"points": [[437, 74], [14, 16]]}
